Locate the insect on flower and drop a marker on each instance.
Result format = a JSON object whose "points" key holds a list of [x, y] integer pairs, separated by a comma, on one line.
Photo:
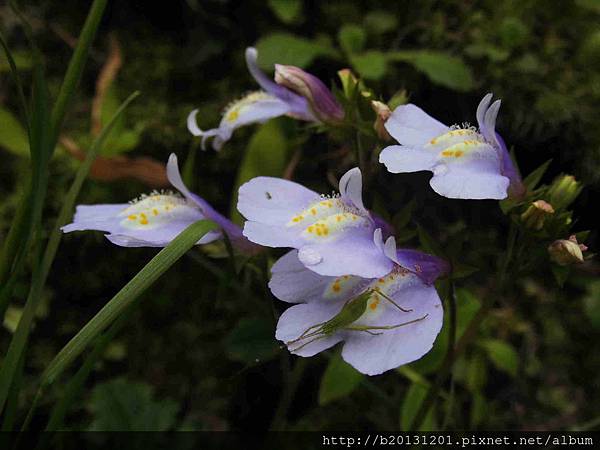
{"points": [[154, 220], [384, 322], [467, 163]]}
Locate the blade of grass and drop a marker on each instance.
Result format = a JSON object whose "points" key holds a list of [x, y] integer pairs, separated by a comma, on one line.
{"points": [[126, 296], [17, 80], [75, 68], [19, 340], [117, 306], [76, 383], [18, 239]]}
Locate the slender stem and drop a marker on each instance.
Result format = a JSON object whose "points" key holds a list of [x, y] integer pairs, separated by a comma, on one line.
{"points": [[292, 380]]}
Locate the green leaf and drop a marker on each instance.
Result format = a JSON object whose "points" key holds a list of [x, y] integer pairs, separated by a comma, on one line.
{"points": [[284, 48], [120, 405], [476, 375], [467, 306], [13, 137], [352, 38], [251, 341], [371, 64], [339, 380], [532, 180], [412, 402], [440, 68], [502, 355], [479, 410], [126, 296], [380, 22], [266, 154], [288, 11], [22, 60], [428, 244], [591, 303]]}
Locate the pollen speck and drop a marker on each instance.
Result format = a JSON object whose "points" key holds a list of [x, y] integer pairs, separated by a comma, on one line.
{"points": [[459, 153], [155, 211], [313, 211], [132, 217]]}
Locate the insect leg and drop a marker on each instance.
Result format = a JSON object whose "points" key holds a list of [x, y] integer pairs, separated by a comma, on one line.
{"points": [[393, 302]]}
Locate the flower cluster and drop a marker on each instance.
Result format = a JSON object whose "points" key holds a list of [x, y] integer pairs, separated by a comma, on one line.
{"points": [[348, 280]]}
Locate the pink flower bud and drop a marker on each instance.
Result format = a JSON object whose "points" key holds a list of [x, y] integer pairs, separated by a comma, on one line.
{"points": [[322, 102]]}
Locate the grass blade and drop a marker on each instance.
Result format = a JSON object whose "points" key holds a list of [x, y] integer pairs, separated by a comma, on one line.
{"points": [[19, 340], [117, 305], [75, 68]]}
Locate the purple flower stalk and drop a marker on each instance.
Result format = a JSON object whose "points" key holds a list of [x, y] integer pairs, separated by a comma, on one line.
{"points": [[308, 99], [334, 234], [155, 220], [384, 322], [466, 162]]}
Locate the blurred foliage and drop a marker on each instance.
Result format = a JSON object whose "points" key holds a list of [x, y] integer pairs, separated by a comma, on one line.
{"points": [[200, 354]]}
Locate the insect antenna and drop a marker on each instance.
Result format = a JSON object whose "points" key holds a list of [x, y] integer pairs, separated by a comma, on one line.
{"points": [[392, 301]]}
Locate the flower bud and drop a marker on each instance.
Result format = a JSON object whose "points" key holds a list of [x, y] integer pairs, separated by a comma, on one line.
{"points": [[535, 216], [349, 82], [565, 252], [383, 113], [320, 99], [563, 191]]}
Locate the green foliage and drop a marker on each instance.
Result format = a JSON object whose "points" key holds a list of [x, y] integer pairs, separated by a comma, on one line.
{"points": [[13, 137], [266, 154], [251, 341], [285, 48], [288, 11], [502, 355], [339, 380], [440, 68], [121, 405], [410, 405]]}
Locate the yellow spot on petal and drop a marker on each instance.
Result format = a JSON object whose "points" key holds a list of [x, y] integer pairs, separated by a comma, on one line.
{"points": [[447, 153], [313, 211], [132, 217], [155, 211], [458, 153]]}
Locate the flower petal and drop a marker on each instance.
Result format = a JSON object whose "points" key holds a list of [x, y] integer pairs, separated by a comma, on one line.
{"points": [[296, 104], [271, 235], [481, 110], [427, 267], [96, 217], [476, 176], [295, 320], [351, 189], [353, 254], [375, 354], [292, 282], [401, 159], [273, 201], [412, 126]]}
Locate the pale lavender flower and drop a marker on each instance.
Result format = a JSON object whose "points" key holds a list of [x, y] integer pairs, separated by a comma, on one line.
{"points": [[398, 322], [309, 100], [156, 219], [334, 234], [466, 162]]}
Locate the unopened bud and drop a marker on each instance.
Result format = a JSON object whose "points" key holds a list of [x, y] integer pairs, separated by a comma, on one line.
{"points": [[383, 113], [565, 252], [349, 82], [320, 99], [563, 191], [535, 216]]}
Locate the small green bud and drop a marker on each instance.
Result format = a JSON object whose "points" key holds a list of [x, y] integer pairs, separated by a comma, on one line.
{"points": [[349, 82], [563, 191], [536, 214], [565, 252]]}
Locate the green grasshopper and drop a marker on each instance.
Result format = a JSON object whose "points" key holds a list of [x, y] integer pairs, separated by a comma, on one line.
{"points": [[352, 310]]}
